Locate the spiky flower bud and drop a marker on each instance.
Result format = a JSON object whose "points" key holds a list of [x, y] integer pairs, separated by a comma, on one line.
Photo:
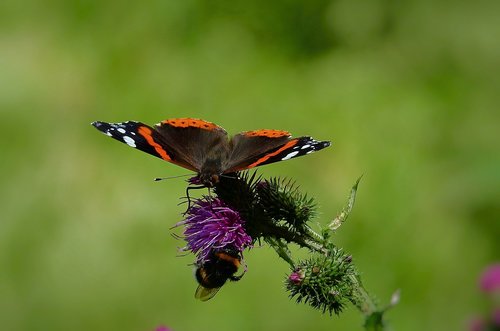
{"points": [[282, 201], [296, 277], [325, 282]]}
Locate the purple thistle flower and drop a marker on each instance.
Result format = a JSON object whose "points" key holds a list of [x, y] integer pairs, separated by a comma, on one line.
{"points": [[490, 279], [477, 324], [495, 317], [296, 277], [162, 328], [211, 224]]}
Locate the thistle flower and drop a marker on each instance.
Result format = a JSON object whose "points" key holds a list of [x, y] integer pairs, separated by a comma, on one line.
{"points": [[211, 224], [495, 317], [296, 277], [490, 279], [163, 328], [477, 324], [489, 283], [247, 209], [324, 282], [273, 209], [282, 201]]}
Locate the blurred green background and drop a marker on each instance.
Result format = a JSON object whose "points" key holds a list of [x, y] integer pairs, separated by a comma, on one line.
{"points": [[409, 93]]}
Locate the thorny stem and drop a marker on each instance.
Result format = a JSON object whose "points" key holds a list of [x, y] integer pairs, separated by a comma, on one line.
{"points": [[364, 302], [316, 236], [281, 249], [282, 232]]}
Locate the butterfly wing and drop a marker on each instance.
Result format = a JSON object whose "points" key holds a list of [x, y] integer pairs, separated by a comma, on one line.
{"points": [[182, 141], [194, 139], [255, 148], [194, 143]]}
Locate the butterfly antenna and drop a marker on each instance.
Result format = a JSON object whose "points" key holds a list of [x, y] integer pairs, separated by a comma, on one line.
{"points": [[157, 179]]}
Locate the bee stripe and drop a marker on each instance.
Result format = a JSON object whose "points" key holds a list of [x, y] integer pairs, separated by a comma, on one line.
{"points": [[228, 258]]}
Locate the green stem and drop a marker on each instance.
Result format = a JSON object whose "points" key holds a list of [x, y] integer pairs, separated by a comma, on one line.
{"points": [[281, 249], [268, 230], [363, 300]]}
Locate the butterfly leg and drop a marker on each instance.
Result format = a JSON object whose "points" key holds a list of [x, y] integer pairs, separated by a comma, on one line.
{"points": [[191, 187]]}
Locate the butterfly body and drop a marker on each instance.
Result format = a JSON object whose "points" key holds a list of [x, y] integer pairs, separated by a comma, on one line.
{"points": [[205, 148]]}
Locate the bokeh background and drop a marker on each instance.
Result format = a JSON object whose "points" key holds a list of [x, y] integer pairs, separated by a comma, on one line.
{"points": [[409, 93]]}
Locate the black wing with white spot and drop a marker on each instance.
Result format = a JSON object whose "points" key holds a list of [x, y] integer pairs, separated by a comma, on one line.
{"points": [[287, 149], [143, 137]]}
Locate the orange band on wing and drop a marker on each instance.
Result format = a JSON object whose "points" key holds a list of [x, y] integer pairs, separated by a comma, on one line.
{"points": [[146, 133], [266, 157], [190, 123], [267, 133]]}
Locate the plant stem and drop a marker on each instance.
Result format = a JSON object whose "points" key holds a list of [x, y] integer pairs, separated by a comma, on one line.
{"points": [[363, 300]]}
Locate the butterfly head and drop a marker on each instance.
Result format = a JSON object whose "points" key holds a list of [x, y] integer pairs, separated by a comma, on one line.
{"points": [[208, 179], [211, 169]]}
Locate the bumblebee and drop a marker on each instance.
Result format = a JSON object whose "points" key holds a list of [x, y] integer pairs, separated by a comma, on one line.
{"points": [[221, 266]]}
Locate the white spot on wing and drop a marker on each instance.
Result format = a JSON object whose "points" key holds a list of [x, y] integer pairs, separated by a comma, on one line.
{"points": [[305, 146], [121, 130], [290, 155], [129, 141]]}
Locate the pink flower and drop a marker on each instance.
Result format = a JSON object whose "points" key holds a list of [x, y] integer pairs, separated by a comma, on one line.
{"points": [[296, 277], [211, 224], [496, 317], [490, 279], [477, 324]]}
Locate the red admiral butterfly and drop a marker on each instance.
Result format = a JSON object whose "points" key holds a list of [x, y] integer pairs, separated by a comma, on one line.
{"points": [[204, 147]]}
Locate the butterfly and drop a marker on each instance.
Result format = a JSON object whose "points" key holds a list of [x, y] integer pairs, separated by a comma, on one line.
{"points": [[205, 148]]}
